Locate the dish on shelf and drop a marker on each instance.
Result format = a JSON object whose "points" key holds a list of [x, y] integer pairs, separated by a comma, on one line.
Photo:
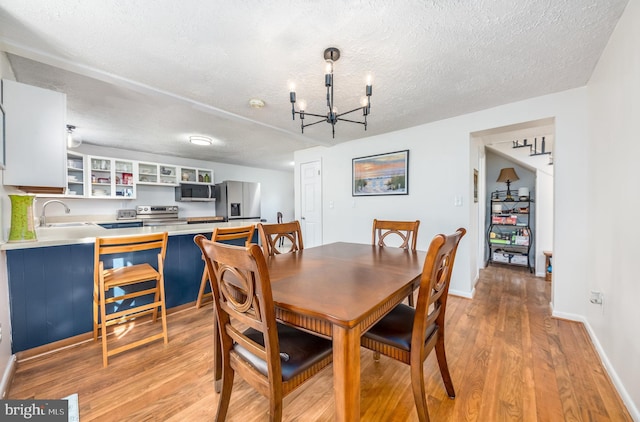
{"points": [[103, 180], [99, 192]]}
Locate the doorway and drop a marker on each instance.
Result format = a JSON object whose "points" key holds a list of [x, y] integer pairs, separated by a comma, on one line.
{"points": [[311, 203]]}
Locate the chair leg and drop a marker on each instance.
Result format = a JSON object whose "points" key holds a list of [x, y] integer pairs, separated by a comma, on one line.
{"points": [[163, 310], [225, 394], [410, 300], [275, 406], [376, 355], [444, 367], [203, 283], [419, 392], [103, 318], [96, 317]]}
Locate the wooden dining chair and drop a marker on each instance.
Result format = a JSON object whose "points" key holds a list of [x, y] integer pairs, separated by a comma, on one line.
{"points": [[271, 234], [126, 286], [273, 358], [279, 221], [405, 234], [223, 234], [408, 335]]}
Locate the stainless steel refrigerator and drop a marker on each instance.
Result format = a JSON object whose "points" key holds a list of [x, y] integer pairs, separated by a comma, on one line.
{"points": [[238, 200]]}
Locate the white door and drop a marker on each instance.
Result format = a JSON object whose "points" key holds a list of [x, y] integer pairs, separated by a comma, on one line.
{"points": [[311, 206]]}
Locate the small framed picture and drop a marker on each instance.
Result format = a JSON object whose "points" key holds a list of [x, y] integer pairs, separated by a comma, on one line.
{"points": [[475, 185]]}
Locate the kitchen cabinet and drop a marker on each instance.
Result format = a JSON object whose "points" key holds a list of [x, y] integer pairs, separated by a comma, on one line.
{"points": [[75, 174], [35, 136], [195, 175], [111, 178], [509, 237], [157, 174]]}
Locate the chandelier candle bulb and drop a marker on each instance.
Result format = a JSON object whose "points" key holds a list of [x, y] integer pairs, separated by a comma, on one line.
{"points": [[292, 96]]}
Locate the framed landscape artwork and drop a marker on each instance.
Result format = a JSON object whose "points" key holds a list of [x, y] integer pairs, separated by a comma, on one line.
{"points": [[383, 174]]}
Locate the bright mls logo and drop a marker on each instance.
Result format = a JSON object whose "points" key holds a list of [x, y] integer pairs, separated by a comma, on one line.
{"points": [[33, 410]]}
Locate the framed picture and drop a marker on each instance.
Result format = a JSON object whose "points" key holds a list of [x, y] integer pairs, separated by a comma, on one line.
{"points": [[2, 135], [475, 185], [383, 174]]}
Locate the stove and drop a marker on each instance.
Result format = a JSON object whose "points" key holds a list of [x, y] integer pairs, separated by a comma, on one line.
{"points": [[159, 215]]}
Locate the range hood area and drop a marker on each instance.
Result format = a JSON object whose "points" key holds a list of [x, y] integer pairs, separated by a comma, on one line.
{"points": [[238, 200]]}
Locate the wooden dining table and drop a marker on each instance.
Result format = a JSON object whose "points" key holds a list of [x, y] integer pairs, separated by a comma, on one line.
{"points": [[338, 291]]}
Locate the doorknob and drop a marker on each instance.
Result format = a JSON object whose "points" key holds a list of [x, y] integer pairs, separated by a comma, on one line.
{"points": [[303, 218]]}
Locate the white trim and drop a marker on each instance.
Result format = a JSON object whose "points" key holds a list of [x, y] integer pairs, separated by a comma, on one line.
{"points": [[460, 293], [7, 376], [615, 379]]}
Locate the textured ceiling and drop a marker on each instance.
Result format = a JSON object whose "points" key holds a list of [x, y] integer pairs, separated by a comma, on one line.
{"points": [[144, 75]]}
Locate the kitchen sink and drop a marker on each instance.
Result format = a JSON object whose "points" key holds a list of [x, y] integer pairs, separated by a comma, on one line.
{"points": [[70, 224]]}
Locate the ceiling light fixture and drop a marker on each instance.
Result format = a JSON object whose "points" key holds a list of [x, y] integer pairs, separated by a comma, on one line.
{"points": [[331, 55], [71, 141], [200, 140]]}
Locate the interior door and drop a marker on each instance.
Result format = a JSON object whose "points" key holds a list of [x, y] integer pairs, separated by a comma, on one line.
{"points": [[311, 206]]}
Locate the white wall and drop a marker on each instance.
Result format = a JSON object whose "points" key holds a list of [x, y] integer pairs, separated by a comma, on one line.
{"points": [[440, 169], [613, 201]]}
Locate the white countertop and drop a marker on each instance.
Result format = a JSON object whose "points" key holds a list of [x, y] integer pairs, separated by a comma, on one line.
{"points": [[57, 236]]}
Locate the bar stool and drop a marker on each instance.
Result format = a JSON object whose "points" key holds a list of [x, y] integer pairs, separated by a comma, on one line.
{"points": [[128, 286]]}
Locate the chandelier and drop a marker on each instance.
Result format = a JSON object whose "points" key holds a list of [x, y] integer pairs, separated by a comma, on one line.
{"points": [[331, 55]]}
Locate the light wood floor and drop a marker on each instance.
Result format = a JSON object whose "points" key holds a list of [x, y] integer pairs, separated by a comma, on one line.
{"points": [[510, 361]]}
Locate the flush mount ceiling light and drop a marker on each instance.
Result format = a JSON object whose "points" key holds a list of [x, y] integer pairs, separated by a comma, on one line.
{"points": [[71, 141], [331, 55], [256, 103], [200, 140]]}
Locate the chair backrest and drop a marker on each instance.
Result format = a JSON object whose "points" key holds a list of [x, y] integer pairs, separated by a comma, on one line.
{"points": [[270, 235], [434, 285], [242, 298], [406, 230], [221, 234], [129, 244]]}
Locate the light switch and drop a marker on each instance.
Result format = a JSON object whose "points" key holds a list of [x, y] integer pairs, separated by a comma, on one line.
{"points": [[457, 201], [330, 204]]}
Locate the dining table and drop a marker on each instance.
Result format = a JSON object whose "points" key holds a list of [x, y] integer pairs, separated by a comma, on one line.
{"points": [[338, 291]]}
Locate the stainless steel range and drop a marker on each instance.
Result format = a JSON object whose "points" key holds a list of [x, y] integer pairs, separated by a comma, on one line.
{"points": [[159, 215]]}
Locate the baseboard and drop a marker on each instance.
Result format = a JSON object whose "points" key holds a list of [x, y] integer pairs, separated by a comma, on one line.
{"points": [[466, 295], [7, 377], [613, 375]]}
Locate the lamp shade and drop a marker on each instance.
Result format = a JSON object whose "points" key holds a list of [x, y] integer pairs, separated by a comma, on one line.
{"points": [[507, 175]]}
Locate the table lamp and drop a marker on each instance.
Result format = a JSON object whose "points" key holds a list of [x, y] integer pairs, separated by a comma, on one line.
{"points": [[508, 175]]}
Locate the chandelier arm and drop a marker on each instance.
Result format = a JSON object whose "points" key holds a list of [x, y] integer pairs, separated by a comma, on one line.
{"points": [[350, 121], [312, 114], [350, 111], [315, 123]]}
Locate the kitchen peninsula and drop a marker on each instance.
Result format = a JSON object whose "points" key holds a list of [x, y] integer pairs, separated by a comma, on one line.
{"points": [[51, 279]]}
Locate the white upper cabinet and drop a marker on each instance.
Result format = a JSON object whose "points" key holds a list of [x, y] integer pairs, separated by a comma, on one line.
{"points": [[35, 138]]}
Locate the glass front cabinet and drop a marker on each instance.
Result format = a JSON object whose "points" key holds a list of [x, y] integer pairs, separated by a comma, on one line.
{"points": [[111, 178]]}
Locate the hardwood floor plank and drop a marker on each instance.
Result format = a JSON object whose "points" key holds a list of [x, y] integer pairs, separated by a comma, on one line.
{"points": [[509, 360]]}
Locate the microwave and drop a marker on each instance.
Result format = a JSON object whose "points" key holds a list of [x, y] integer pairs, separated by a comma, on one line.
{"points": [[195, 192]]}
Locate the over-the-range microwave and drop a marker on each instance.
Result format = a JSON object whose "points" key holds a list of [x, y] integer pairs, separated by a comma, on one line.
{"points": [[195, 192]]}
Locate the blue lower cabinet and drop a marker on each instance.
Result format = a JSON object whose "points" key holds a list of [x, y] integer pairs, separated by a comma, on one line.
{"points": [[51, 288]]}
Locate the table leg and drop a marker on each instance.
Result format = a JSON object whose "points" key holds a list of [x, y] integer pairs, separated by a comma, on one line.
{"points": [[346, 372]]}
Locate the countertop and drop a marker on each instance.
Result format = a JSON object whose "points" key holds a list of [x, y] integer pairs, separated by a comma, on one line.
{"points": [[57, 236]]}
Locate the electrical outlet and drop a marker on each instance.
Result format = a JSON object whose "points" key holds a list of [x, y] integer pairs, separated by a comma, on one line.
{"points": [[597, 298]]}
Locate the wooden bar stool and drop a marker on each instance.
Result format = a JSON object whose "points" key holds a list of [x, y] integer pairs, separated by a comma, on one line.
{"points": [[122, 267]]}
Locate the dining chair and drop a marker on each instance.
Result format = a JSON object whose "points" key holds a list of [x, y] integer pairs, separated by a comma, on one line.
{"points": [[273, 358], [279, 221], [408, 335], [404, 232], [224, 234], [271, 234], [126, 287]]}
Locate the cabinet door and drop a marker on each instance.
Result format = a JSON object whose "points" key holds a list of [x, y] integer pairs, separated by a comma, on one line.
{"points": [[123, 178], [101, 176], [75, 174], [147, 173], [35, 124]]}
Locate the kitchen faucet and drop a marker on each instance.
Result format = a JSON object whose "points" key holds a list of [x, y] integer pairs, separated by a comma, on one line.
{"points": [[43, 218]]}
